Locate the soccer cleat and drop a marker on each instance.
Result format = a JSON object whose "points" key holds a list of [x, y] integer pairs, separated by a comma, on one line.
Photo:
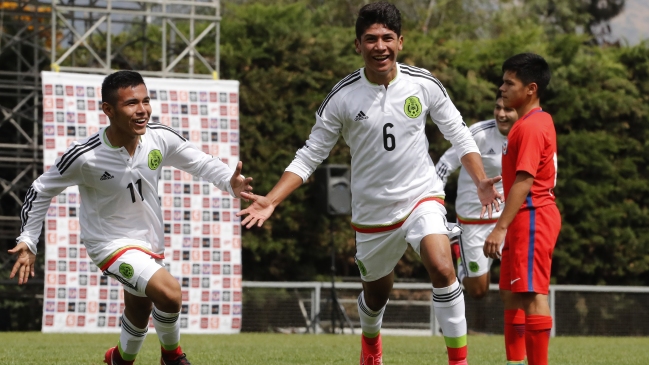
{"points": [[371, 353], [111, 359], [179, 359]]}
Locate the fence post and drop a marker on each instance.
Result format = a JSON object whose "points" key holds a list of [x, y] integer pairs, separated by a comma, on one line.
{"points": [[316, 308], [433, 319], [553, 312]]}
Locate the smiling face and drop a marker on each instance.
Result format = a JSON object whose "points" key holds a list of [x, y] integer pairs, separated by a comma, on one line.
{"points": [[379, 47], [130, 114], [505, 117]]}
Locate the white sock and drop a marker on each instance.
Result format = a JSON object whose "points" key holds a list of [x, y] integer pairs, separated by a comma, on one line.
{"points": [[131, 339], [370, 320], [168, 328], [449, 310]]}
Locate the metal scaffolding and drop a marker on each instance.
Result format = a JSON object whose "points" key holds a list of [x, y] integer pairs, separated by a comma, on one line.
{"points": [[158, 38]]}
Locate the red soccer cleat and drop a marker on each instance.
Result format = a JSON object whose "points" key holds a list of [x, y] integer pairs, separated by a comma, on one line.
{"points": [[112, 357], [371, 351], [174, 357]]}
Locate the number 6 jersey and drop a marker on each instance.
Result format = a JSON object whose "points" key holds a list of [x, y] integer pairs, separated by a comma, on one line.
{"points": [[391, 170], [120, 207]]}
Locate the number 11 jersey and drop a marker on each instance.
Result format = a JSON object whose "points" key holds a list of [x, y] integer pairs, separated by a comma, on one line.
{"points": [[120, 205]]}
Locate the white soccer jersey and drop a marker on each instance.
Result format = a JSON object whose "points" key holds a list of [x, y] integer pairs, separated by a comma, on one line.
{"points": [[391, 169], [120, 206], [490, 142]]}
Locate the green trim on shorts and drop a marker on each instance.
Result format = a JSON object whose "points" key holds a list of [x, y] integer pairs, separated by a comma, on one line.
{"points": [[455, 342]]}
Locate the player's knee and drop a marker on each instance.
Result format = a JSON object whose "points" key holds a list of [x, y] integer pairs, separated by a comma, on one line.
{"points": [[170, 302], [169, 298], [442, 275]]}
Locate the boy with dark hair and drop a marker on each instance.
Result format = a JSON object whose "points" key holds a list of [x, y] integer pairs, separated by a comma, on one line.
{"points": [[530, 222], [117, 170], [397, 197]]}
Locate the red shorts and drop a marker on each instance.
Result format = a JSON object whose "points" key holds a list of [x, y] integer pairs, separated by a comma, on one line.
{"points": [[527, 253]]}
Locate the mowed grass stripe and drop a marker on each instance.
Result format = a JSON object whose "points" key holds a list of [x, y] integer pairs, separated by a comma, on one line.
{"points": [[274, 349]]}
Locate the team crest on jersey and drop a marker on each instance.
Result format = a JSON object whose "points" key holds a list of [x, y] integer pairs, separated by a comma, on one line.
{"points": [[155, 159], [505, 148], [412, 107]]}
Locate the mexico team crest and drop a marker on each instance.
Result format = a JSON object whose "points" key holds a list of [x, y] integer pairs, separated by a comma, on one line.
{"points": [[412, 107], [155, 159], [126, 270]]}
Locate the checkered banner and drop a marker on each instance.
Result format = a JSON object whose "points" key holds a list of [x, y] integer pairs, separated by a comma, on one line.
{"points": [[202, 233]]}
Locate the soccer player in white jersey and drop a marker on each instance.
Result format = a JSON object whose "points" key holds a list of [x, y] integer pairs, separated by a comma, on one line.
{"points": [[473, 266], [117, 171], [397, 198]]}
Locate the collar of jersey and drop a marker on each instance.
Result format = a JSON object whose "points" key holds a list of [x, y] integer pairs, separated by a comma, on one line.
{"points": [[107, 142], [395, 79]]}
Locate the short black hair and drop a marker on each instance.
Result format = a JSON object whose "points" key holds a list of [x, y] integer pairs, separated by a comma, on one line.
{"points": [[378, 13], [118, 80], [529, 68]]}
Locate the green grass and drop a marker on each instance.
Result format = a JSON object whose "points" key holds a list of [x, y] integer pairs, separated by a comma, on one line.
{"points": [[38, 348]]}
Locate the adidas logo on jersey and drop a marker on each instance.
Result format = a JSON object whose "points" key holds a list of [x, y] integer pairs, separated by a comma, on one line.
{"points": [[490, 152], [360, 116], [106, 176]]}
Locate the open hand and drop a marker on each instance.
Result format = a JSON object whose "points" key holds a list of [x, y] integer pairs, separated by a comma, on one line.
{"points": [[24, 265], [489, 197], [258, 212], [239, 183]]}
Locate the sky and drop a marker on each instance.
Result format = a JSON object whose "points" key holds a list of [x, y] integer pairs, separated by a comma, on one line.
{"points": [[632, 23]]}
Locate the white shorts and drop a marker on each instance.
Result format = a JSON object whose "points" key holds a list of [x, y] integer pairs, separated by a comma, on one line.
{"points": [[134, 269], [471, 248], [378, 253]]}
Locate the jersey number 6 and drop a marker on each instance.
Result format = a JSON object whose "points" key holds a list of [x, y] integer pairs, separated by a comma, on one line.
{"points": [[388, 139], [139, 190]]}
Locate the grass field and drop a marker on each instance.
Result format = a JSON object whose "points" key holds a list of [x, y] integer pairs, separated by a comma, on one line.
{"points": [[37, 348]]}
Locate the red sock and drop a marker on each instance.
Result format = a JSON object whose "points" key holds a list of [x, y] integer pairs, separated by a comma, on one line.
{"points": [[171, 354], [117, 358], [457, 356], [515, 335], [537, 338], [371, 340]]}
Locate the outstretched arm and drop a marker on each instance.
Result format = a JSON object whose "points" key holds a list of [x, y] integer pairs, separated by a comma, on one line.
{"points": [[515, 199], [490, 198], [263, 206], [24, 265]]}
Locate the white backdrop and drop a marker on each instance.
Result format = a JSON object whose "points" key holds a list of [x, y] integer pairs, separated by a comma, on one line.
{"points": [[202, 233]]}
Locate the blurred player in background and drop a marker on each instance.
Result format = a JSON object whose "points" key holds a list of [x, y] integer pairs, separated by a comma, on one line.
{"points": [[397, 198], [530, 222], [117, 171], [490, 135]]}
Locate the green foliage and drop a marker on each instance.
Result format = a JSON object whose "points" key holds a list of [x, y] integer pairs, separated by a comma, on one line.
{"points": [[597, 97], [286, 68]]}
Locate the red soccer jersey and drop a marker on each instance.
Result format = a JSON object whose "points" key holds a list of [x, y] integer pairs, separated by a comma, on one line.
{"points": [[531, 146]]}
